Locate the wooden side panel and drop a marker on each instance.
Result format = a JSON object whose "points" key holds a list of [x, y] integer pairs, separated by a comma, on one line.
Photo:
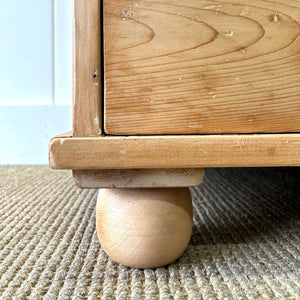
{"points": [[197, 66], [138, 178], [87, 68], [175, 151]]}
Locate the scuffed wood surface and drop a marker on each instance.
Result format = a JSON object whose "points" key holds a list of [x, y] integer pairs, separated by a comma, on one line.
{"points": [[143, 178], [194, 66], [175, 151], [87, 68]]}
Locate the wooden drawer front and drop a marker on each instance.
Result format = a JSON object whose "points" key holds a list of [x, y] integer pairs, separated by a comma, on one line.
{"points": [[193, 66]]}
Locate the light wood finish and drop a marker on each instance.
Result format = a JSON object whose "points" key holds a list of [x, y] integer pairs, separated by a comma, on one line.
{"points": [[175, 151], [87, 68], [67, 134], [195, 66], [144, 228], [138, 178]]}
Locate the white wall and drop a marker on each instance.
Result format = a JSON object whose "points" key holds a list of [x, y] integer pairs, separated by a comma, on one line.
{"points": [[35, 77]]}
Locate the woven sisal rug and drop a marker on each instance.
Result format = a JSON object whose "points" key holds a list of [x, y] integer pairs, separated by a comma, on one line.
{"points": [[245, 244]]}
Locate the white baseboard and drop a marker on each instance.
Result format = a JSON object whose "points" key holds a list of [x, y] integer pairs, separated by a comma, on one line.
{"points": [[25, 132]]}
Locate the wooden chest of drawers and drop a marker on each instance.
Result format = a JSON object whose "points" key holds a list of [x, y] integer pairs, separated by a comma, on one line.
{"points": [[164, 89]]}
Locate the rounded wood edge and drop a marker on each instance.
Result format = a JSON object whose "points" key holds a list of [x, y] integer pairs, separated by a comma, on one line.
{"points": [[144, 228], [97, 153]]}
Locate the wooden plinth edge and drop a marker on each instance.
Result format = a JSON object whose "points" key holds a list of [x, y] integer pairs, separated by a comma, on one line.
{"points": [[159, 152], [138, 178]]}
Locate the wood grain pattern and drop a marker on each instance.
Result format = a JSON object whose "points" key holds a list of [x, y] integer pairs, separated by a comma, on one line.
{"points": [[144, 228], [195, 66], [87, 93], [175, 151], [138, 178]]}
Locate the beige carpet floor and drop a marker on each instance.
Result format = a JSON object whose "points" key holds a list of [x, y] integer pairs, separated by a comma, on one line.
{"points": [[245, 244]]}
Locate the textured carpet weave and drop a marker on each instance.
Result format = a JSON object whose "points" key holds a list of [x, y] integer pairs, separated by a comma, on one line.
{"points": [[245, 243]]}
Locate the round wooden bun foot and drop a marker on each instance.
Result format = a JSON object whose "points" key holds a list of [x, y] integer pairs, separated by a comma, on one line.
{"points": [[144, 228]]}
